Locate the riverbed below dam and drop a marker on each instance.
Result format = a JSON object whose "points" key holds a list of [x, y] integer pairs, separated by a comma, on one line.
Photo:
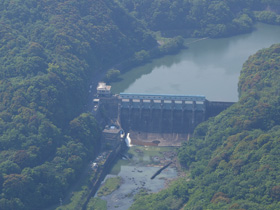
{"points": [[209, 67], [136, 173]]}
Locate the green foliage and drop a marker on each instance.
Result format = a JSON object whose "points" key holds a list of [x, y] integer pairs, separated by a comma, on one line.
{"points": [[241, 169], [9, 167], [172, 45], [141, 56], [110, 185], [49, 50], [97, 203], [168, 199], [112, 75], [272, 3], [267, 17], [196, 18], [233, 158]]}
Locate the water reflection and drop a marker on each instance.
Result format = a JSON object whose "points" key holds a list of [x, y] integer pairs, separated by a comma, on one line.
{"points": [[209, 67]]}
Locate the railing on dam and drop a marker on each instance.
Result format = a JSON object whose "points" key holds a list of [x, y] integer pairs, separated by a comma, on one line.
{"points": [[162, 97], [155, 113], [163, 102], [147, 115]]}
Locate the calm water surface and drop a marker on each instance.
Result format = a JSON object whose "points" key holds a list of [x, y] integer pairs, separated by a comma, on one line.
{"points": [[210, 67]]}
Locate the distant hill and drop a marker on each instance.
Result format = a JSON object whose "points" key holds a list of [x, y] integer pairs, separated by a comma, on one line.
{"points": [[203, 18], [233, 158], [49, 52]]}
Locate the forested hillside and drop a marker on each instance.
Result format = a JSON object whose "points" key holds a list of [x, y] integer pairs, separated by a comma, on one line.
{"points": [[234, 158], [203, 18], [48, 52]]}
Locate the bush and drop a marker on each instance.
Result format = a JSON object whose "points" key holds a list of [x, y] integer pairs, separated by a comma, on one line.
{"points": [[112, 75]]}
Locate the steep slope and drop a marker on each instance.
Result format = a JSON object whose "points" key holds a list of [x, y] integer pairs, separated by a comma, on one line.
{"points": [[234, 157], [203, 18], [48, 52]]}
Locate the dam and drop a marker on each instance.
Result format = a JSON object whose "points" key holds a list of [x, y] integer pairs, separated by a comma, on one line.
{"points": [[149, 112], [158, 119]]}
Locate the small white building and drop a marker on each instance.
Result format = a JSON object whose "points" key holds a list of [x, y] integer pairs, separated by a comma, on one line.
{"points": [[103, 89]]}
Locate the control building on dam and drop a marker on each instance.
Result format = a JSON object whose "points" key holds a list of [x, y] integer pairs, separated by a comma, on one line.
{"points": [[158, 119]]}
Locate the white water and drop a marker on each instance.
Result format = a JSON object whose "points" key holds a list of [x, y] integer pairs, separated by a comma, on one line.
{"points": [[128, 141]]}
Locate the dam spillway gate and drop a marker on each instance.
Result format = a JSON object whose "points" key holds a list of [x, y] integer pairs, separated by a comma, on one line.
{"points": [[161, 116], [157, 119]]}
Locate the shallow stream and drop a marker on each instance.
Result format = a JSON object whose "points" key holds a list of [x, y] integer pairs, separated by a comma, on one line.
{"points": [[136, 174]]}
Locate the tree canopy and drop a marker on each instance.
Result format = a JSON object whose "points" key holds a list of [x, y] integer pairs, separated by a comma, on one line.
{"points": [[233, 158], [50, 50], [202, 18]]}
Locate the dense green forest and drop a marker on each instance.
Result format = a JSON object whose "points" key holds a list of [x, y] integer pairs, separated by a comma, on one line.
{"points": [[49, 50], [202, 18], [233, 158]]}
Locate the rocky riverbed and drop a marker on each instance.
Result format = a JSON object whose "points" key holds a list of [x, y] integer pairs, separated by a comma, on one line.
{"points": [[136, 172]]}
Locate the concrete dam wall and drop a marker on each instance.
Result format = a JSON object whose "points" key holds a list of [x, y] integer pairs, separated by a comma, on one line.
{"points": [[160, 120], [164, 120]]}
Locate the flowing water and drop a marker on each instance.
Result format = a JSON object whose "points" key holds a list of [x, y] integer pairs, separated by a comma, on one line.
{"points": [[209, 67], [136, 173]]}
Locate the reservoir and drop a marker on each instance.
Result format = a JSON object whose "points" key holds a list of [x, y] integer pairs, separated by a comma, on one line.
{"points": [[209, 67]]}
